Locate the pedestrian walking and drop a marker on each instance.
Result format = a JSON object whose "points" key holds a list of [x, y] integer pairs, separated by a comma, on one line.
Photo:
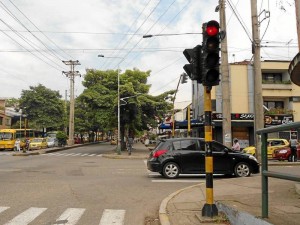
{"points": [[129, 144], [236, 145], [17, 144], [293, 146]]}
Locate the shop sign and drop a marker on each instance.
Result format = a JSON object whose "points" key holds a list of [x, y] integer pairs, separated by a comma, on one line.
{"points": [[273, 120], [234, 116]]}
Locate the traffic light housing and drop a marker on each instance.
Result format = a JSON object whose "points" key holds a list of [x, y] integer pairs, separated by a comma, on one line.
{"points": [[210, 53], [194, 69], [184, 78]]}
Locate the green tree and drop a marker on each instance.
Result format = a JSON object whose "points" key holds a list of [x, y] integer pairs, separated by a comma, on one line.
{"points": [[96, 107], [43, 107]]}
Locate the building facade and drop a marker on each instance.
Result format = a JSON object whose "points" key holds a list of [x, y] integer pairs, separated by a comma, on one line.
{"points": [[281, 101], [5, 120]]}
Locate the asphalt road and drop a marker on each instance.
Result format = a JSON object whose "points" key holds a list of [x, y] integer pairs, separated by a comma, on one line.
{"points": [[80, 186]]}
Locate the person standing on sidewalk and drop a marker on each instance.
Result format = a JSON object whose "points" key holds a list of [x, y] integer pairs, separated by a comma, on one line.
{"points": [[293, 146], [18, 145], [236, 145]]}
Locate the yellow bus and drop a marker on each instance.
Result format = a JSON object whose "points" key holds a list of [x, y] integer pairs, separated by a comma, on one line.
{"points": [[8, 137], [27, 133]]}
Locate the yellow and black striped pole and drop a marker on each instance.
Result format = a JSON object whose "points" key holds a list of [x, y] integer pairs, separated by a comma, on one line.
{"points": [[209, 209]]}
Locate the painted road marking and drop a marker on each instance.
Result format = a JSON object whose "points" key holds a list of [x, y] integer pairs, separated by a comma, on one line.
{"points": [[3, 209], [70, 216], [26, 217], [113, 217]]}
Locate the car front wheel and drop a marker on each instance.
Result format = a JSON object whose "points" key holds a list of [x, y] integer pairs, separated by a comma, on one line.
{"points": [[171, 170], [242, 169]]}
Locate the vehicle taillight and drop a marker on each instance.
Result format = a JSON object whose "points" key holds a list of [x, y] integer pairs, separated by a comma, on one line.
{"points": [[159, 153]]}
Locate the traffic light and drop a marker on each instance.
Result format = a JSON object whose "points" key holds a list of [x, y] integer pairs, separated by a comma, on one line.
{"points": [[210, 53], [184, 78], [193, 69]]}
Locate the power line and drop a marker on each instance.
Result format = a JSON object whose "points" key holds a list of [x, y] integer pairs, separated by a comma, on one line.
{"points": [[39, 30], [16, 19]]}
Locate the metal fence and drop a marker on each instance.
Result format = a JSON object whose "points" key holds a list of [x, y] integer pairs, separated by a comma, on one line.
{"points": [[264, 164]]}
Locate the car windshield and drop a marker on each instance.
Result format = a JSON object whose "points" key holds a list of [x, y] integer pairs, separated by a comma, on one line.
{"points": [[36, 140], [50, 139]]}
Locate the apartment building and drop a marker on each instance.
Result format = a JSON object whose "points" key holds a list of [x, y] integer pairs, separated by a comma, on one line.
{"points": [[5, 120], [281, 101]]}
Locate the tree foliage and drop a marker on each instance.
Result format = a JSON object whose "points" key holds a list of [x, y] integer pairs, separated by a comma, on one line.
{"points": [[43, 107], [97, 106]]}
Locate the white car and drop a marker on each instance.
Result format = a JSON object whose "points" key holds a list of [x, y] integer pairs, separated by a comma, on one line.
{"points": [[52, 142]]}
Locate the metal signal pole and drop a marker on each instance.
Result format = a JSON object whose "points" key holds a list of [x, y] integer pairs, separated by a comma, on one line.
{"points": [[209, 209], [71, 74]]}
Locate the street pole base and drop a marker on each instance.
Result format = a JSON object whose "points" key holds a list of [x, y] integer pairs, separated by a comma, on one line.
{"points": [[209, 210]]}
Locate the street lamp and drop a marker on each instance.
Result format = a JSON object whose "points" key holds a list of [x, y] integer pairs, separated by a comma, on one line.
{"points": [[119, 125]]}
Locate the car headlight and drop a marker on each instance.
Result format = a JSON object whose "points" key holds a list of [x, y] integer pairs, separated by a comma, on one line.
{"points": [[283, 151], [253, 158]]}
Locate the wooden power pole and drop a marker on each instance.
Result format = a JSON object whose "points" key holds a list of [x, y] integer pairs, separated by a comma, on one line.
{"points": [[226, 103], [258, 99], [71, 74]]}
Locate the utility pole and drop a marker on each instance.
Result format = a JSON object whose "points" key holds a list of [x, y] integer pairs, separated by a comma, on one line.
{"points": [[71, 74], [297, 6], [225, 85], [258, 99]]}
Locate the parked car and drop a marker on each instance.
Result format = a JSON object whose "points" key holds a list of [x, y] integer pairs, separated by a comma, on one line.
{"points": [[52, 142], [38, 143], [172, 157], [272, 143], [285, 154]]}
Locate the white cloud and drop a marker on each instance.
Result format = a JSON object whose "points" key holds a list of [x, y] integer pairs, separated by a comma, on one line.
{"points": [[64, 21]]}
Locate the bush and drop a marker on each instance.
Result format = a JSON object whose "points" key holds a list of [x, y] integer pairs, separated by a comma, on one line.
{"points": [[62, 138]]}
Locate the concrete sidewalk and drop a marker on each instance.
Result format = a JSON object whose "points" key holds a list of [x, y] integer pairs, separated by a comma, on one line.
{"points": [[238, 198]]}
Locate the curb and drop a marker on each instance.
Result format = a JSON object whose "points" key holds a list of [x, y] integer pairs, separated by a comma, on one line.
{"points": [[163, 215]]}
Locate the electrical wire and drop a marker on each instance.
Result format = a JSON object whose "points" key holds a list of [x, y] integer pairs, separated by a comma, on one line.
{"points": [[16, 19], [40, 31], [26, 48], [148, 16], [135, 21], [234, 10]]}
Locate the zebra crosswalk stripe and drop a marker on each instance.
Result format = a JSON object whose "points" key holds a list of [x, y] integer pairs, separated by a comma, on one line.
{"points": [[3, 209], [70, 216], [112, 217], [26, 217]]}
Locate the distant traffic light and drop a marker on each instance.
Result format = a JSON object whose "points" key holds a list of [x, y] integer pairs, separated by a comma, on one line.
{"points": [[193, 69], [184, 78], [210, 53]]}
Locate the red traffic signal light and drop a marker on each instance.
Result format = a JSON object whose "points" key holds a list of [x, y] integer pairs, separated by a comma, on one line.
{"points": [[212, 28], [211, 49]]}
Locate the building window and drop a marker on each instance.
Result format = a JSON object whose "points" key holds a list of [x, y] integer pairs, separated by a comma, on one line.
{"points": [[272, 78], [1, 120], [274, 104]]}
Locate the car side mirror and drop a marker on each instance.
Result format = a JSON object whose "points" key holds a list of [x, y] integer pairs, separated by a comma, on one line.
{"points": [[226, 150]]}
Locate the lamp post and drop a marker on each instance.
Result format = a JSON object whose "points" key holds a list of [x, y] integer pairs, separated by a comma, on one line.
{"points": [[119, 120]]}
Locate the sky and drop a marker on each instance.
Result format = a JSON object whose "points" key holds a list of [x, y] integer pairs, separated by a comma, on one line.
{"points": [[36, 36]]}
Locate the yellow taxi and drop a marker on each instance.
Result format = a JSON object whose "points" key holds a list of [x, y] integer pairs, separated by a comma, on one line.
{"points": [[38, 143], [272, 143]]}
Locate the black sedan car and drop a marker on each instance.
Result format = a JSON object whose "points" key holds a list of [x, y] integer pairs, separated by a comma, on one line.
{"points": [[172, 157]]}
